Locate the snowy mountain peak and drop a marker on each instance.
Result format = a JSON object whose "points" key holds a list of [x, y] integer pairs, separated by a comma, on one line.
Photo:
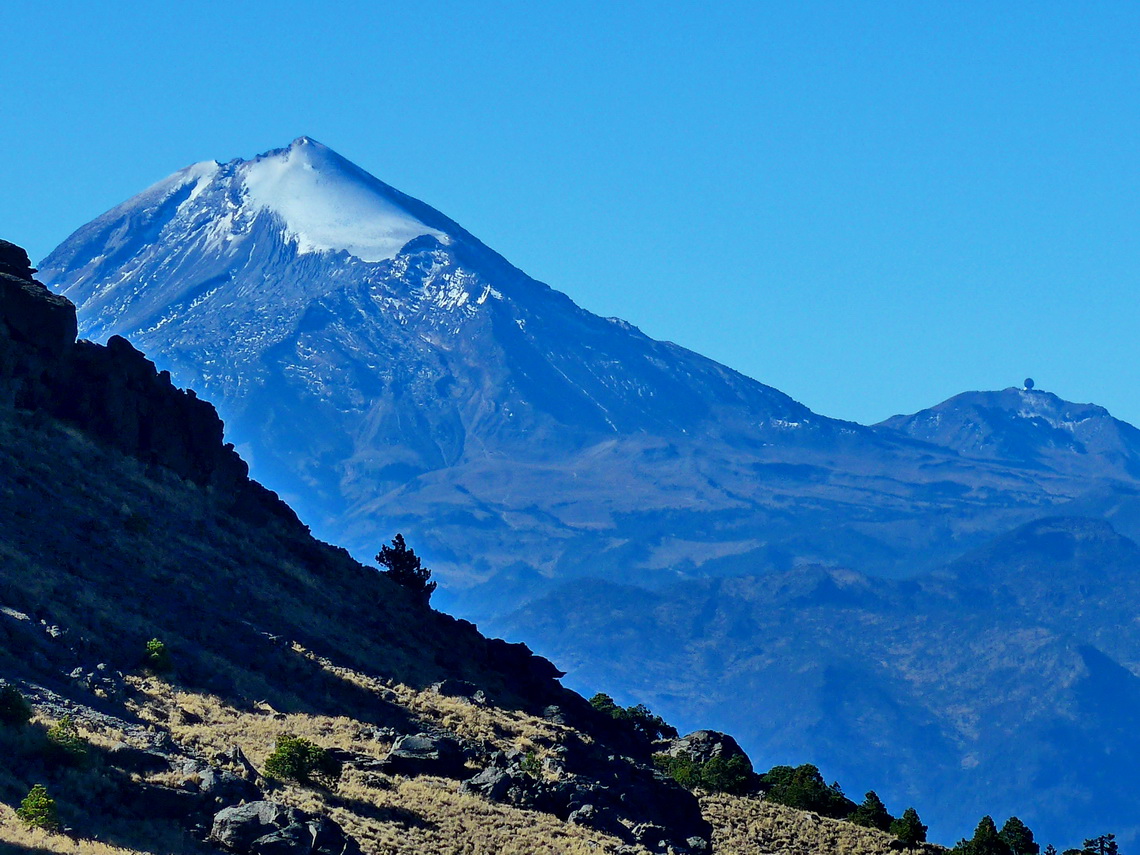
{"points": [[327, 203]]}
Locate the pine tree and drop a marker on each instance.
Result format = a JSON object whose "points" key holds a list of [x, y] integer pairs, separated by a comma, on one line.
{"points": [[1018, 837], [872, 813], [1103, 845], [405, 568], [38, 810], [909, 828], [986, 841]]}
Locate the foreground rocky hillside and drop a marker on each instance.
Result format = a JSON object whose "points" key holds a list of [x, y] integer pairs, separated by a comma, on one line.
{"points": [[204, 676]]}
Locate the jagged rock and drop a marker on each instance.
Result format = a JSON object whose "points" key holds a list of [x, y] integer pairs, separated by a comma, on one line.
{"points": [[102, 680], [703, 745], [225, 787], [237, 827], [492, 783], [649, 835], [131, 759], [268, 828], [556, 714], [424, 754], [585, 815], [113, 392], [14, 261], [455, 688]]}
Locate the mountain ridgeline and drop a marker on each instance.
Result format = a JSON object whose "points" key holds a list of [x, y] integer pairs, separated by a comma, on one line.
{"points": [[383, 369], [944, 595]]}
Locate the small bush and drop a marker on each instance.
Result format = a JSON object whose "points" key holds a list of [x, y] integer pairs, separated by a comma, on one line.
{"points": [[298, 759], [531, 764], [38, 810], [65, 741], [158, 657], [15, 711]]}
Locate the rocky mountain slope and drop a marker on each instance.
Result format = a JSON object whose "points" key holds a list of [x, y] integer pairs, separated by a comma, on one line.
{"points": [[384, 370], [172, 622]]}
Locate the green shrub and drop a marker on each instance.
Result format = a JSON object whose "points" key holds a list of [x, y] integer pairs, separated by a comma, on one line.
{"points": [[531, 764], [298, 759], [15, 711], [639, 717], [158, 657], [716, 775], [65, 741], [803, 787], [38, 810]]}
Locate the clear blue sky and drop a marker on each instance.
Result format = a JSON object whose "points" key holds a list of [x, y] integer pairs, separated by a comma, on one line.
{"points": [[870, 206]]}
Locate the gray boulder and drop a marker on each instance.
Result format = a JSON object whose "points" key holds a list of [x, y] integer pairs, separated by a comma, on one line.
{"points": [[268, 828], [704, 745], [424, 754]]}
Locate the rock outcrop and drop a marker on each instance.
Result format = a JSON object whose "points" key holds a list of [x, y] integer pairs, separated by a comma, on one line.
{"points": [[113, 392], [268, 828], [703, 745]]}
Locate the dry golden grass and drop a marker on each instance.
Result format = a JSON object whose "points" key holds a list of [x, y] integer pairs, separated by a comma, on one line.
{"points": [[749, 826], [426, 816]]}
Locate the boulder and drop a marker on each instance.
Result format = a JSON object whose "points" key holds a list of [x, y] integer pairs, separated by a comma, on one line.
{"points": [[704, 745], [424, 754], [236, 828], [492, 783], [268, 828], [225, 787], [131, 759]]}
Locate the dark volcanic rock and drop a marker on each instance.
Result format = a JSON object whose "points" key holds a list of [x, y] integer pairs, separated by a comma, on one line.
{"points": [[113, 392], [614, 789], [424, 754], [268, 828], [704, 745], [14, 261]]}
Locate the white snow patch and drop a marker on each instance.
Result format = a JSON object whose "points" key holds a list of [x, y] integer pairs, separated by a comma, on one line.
{"points": [[327, 203]]}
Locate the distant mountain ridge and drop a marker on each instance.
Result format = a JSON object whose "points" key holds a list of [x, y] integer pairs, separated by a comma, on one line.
{"points": [[1006, 683], [1027, 426], [384, 370]]}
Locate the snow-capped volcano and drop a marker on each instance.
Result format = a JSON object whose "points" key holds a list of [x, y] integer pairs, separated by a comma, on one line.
{"points": [[327, 204], [388, 372]]}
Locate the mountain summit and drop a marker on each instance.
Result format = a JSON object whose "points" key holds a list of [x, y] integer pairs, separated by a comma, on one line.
{"points": [[1029, 426], [386, 371]]}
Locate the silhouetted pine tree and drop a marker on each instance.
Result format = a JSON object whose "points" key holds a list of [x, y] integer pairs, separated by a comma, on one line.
{"points": [[872, 813]]}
